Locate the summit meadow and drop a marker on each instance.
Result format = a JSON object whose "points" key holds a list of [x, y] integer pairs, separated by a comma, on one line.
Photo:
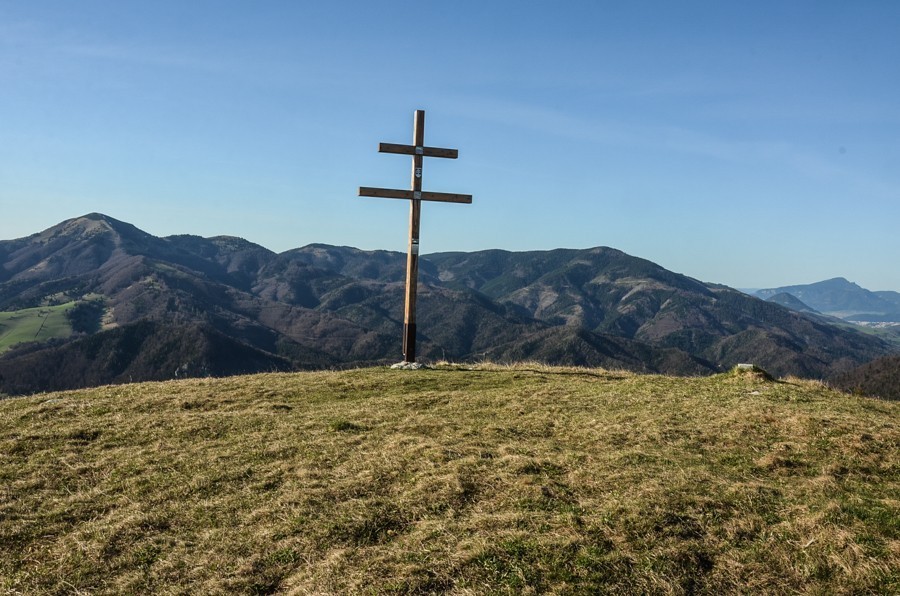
{"points": [[459, 480]]}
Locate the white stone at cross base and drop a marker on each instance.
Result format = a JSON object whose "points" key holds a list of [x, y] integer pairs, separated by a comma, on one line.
{"points": [[408, 365]]}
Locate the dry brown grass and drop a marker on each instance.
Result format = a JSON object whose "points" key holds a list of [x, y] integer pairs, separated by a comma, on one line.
{"points": [[525, 479]]}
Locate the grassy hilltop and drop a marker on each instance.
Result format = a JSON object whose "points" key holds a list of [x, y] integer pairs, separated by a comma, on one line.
{"points": [[498, 480]]}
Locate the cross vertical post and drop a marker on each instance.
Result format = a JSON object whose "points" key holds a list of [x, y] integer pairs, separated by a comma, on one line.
{"points": [[412, 253], [418, 150]]}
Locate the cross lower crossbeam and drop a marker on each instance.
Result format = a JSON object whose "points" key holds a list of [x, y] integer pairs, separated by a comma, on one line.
{"points": [[416, 195], [392, 193]]}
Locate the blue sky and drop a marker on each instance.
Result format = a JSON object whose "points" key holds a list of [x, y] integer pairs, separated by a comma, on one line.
{"points": [[754, 144]]}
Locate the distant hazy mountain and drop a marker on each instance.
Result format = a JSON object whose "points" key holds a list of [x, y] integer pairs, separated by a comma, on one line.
{"points": [[892, 298], [839, 297], [234, 306], [792, 302]]}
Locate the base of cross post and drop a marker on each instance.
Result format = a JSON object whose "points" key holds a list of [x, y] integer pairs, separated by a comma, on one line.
{"points": [[409, 341], [408, 366]]}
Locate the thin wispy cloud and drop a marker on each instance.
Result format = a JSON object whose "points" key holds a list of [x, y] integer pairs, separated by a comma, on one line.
{"points": [[675, 139], [162, 56]]}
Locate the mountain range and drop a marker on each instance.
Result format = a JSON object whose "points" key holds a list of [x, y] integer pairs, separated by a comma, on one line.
{"points": [[127, 305], [840, 298]]}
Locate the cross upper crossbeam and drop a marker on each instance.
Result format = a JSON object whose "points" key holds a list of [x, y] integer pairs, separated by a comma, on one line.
{"points": [[413, 150]]}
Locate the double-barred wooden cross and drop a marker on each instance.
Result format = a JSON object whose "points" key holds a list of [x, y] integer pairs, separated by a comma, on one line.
{"points": [[416, 195]]}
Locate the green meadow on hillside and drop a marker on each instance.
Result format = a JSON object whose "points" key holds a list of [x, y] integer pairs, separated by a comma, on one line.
{"points": [[34, 324], [485, 480]]}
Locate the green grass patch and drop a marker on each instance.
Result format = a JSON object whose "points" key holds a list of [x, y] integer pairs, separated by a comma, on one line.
{"points": [[34, 324], [485, 480]]}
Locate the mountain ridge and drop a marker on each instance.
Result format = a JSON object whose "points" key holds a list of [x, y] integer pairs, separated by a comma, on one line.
{"points": [[321, 305]]}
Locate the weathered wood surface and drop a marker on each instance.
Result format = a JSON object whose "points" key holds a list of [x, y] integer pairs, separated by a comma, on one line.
{"points": [[425, 195], [412, 255], [411, 150]]}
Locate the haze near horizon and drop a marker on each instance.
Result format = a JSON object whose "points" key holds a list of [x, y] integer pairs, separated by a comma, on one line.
{"points": [[752, 145]]}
